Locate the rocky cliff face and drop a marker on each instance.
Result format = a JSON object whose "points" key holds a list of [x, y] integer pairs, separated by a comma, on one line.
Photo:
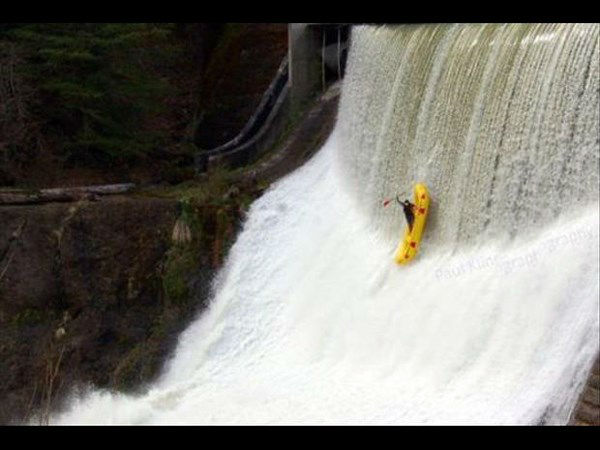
{"points": [[80, 296], [587, 411]]}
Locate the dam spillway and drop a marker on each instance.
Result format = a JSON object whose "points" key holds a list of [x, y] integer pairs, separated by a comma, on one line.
{"points": [[496, 320]]}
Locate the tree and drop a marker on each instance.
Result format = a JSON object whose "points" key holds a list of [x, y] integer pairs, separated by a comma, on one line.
{"points": [[97, 85]]}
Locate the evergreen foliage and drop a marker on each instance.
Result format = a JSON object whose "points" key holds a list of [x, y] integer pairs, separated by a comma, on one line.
{"points": [[99, 87]]}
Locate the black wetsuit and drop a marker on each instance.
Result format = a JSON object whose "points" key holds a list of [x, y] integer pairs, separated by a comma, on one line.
{"points": [[408, 212]]}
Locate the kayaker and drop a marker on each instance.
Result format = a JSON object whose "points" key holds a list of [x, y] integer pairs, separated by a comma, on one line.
{"points": [[409, 212]]}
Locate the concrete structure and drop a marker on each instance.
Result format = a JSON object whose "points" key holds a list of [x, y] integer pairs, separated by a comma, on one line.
{"points": [[305, 68], [316, 51]]}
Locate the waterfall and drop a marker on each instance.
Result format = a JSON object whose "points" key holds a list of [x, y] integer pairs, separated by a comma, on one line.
{"points": [[495, 321], [500, 121]]}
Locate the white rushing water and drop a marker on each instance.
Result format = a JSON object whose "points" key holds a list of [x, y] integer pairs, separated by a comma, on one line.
{"points": [[495, 322]]}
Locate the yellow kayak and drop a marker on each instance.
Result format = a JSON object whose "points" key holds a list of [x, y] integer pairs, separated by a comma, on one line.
{"points": [[408, 247]]}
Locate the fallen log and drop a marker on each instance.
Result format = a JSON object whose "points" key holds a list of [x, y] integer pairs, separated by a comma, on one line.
{"points": [[66, 194]]}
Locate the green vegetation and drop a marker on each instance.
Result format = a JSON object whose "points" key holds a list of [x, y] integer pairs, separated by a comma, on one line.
{"points": [[132, 368], [211, 211], [95, 93], [29, 316], [101, 102], [181, 262]]}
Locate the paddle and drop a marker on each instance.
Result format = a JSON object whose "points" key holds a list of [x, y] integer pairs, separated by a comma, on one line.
{"points": [[387, 201]]}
